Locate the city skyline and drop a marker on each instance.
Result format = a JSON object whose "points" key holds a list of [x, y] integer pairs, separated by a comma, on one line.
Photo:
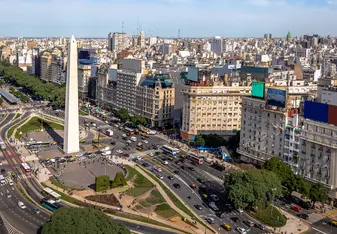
{"points": [[201, 19]]}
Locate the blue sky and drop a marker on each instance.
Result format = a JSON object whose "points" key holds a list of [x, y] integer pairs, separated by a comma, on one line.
{"points": [[204, 18]]}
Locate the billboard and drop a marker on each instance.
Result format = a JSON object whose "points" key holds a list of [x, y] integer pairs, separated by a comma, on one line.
{"points": [[316, 111], [258, 89], [276, 97]]}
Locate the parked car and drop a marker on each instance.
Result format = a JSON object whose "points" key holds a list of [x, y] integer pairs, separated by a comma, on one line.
{"points": [[241, 230], [177, 186], [303, 216], [170, 177], [260, 226], [235, 219], [215, 197], [296, 208]]}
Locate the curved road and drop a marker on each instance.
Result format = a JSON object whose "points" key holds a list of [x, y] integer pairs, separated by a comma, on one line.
{"points": [[26, 220]]}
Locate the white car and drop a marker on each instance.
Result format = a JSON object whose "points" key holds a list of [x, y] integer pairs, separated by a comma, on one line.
{"points": [[151, 154], [160, 176], [240, 210], [139, 158], [215, 197], [119, 151], [128, 141], [166, 162], [145, 141], [21, 205], [241, 230]]}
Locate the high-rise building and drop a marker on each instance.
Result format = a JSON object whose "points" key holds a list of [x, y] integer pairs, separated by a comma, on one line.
{"points": [[46, 66], [117, 41], [71, 121], [217, 45], [267, 36], [58, 73], [141, 39]]}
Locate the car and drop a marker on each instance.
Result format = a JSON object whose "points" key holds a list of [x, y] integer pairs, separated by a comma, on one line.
{"points": [[166, 162], [151, 154], [177, 186], [191, 168], [227, 227], [160, 176], [139, 158], [145, 164], [296, 208], [128, 141], [260, 226], [198, 207], [200, 180], [36, 210], [176, 172], [303, 216], [21, 205], [113, 143], [240, 210], [145, 141], [193, 186], [248, 223], [213, 206], [241, 230], [119, 151], [215, 197], [235, 219], [170, 177], [182, 167], [8, 194], [210, 220]]}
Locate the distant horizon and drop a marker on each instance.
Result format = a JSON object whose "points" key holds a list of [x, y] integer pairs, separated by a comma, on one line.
{"points": [[194, 18]]}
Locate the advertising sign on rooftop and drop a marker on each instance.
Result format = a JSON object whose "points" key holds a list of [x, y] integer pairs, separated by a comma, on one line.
{"points": [[276, 97], [258, 89]]}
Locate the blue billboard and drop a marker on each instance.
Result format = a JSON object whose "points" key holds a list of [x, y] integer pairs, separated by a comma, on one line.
{"points": [[276, 97], [316, 111]]}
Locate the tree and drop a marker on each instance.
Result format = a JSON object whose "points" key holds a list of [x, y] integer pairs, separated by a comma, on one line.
{"points": [[2, 82], [123, 114], [1, 101], [199, 140], [137, 119], [283, 171], [253, 188], [318, 193], [102, 183], [82, 220], [213, 140], [11, 89], [119, 180], [302, 186]]}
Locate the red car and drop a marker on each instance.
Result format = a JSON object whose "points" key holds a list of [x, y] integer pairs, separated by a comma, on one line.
{"points": [[296, 208]]}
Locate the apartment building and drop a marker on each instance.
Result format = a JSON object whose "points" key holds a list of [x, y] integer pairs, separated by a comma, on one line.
{"points": [[262, 131], [84, 74], [212, 109], [45, 66], [128, 77], [117, 41], [155, 100], [58, 70], [106, 90]]}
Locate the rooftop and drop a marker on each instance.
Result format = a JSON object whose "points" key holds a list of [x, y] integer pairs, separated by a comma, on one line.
{"points": [[164, 79], [9, 97]]}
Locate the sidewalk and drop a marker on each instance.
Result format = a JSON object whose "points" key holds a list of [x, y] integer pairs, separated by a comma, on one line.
{"points": [[126, 210]]}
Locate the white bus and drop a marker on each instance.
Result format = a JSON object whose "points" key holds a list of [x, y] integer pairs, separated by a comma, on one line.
{"points": [[170, 150], [26, 167], [51, 194]]}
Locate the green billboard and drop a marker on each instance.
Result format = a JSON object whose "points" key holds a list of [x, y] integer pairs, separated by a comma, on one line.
{"points": [[258, 89]]}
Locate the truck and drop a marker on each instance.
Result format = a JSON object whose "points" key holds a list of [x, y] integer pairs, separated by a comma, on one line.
{"points": [[133, 138], [109, 132]]}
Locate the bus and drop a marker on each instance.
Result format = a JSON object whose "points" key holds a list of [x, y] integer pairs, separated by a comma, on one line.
{"points": [[170, 150], [52, 194], [129, 131], [195, 159], [26, 167], [2, 145], [50, 204]]}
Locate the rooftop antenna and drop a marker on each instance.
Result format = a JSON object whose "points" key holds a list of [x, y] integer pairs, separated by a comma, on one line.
{"points": [[179, 33], [122, 26]]}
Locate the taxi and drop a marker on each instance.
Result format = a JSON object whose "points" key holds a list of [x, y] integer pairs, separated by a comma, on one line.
{"points": [[193, 186], [227, 227]]}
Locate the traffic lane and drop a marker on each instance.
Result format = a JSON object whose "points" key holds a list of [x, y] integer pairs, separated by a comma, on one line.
{"points": [[322, 226], [185, 191], [142, 228], [22, 219]]}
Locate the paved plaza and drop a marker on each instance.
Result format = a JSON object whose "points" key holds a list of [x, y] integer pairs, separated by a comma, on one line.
{"points": [[81, 174]]}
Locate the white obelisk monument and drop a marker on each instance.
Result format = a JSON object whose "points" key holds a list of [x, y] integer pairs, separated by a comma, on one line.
{"points": [[71, 142]]}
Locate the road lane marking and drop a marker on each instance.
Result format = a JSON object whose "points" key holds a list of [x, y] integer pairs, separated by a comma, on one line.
{"points": [[318, 230]]}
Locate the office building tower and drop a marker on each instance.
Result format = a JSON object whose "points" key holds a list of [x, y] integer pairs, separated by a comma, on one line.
{"points": [[45, 66], [71, 121], [217, 45], [117, 41], [141, 39]]}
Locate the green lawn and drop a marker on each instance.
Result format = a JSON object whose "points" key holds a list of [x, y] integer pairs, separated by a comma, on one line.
{"points": [[155, 198], [131, 172], [82, 113], [35, 124], [17, 116], [164, 210], [175, 200], [145, 203], [270, 216], [141, 184]]}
